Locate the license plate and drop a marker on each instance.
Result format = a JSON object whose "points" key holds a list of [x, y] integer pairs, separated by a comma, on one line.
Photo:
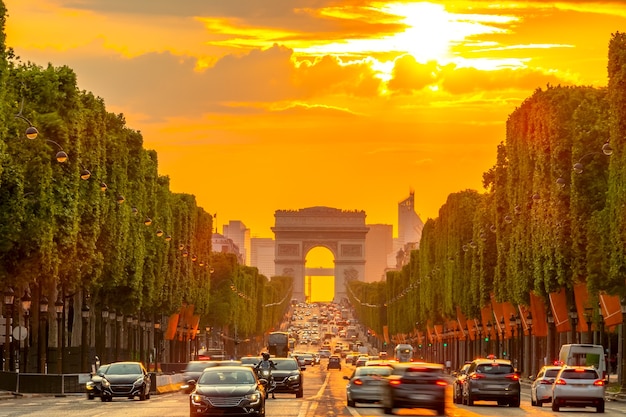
{"points": [[421, 397]]}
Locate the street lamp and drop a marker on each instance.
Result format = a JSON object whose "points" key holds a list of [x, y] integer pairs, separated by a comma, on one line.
{"points": [[573, 315], [58, 308], [480, 339], [157, 343], [43, 340], [9, 297], [502, 327], [520, 341], [84, 346], [26, 304], [104, 313], [550, 344], [512, 339], [588, 320], [529, 322], [489, 327]]}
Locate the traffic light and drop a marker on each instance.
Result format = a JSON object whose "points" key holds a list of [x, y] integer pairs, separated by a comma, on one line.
{"points": [[445, 344], [486, 338]]}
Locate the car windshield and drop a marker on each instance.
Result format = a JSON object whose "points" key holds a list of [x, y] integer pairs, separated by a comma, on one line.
{"points": [[551, 373], [495, 369], [215, 377], [197, 366], [102, 369], [124, 369], [289, 365]]}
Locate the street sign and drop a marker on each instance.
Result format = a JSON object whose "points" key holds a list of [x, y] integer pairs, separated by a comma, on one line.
{"points": [[20, 333]]}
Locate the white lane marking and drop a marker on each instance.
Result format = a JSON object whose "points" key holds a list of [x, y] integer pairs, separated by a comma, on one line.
{"points": [[303, 409], [322, 388]]}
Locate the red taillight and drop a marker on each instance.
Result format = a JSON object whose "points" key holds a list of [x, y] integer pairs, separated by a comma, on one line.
{"points": [[599, 383], [546, 382], [478, 376], [395, 382], [357, 382], [441, 383], [514, 377], [560, 382]]}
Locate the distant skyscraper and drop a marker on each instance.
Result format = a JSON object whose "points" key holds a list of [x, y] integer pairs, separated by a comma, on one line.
{"points": [[263, 251], [378, 248], [409, 223], [239, 234]]}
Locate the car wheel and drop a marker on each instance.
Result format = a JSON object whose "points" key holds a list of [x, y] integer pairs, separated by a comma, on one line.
{"points": [[441, 411], [90, 396], [142, 396], [470, 399], [515, 402], [388, 410], [600, 407], [351, 403], [300, 393]]}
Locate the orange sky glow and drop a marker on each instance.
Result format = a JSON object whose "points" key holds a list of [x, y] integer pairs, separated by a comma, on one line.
{"points": [[258, 106]]}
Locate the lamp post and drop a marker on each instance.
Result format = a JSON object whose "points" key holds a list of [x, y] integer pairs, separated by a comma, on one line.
{"points": [[511, 340], [480, 339], [489, 327], [142, 327], [573, 315], [502, 327], [520, 341], [43, 339], [157, 344], [149, 342], [531, 352], [129, 336], [26, 304], [550, 341], [58, 308], [104, 313], [9, 297], [84, 345], [588, 320], [119, 324]]}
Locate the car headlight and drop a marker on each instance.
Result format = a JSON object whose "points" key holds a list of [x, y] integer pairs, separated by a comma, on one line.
{"points": [[105, 383], [253, 398], [293, 378], [197, 399], [138, 381]]}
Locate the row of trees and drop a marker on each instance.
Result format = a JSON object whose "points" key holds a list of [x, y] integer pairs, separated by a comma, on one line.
{"points": [[103, 226], [552, 215]]}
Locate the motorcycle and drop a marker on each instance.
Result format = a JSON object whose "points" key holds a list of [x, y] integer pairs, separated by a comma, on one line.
{"points": [[265, 374]]}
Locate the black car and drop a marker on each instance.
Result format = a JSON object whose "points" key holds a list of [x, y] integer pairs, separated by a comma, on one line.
{"points": [[288, 376], [93, 387], [227, 390], [334, 362], [492, 380], [125, 379], [415, 385]]}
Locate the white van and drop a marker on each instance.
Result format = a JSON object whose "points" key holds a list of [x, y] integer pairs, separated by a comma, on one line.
{"points": [[584, 355]]}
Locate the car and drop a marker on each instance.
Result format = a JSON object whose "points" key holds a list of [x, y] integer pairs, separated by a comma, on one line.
{"points": [[93, 387], [578, 386], [361, 361], [324, 353], [492, 379], [288, 376], [125, 379], [230, 390], [457, 384], [541, 387], [334, 362], [365, 385], [415, 385], [194, 369]]}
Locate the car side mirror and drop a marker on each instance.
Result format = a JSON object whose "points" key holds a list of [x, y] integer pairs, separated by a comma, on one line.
{"points": [[346, 377]]}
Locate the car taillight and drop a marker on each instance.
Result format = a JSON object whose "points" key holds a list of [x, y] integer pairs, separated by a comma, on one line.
{"points": [[441, 383], [560, 382], [545, 382], [514, 377], [477, 376], [357, 382], [599, 383], [395, 382]]}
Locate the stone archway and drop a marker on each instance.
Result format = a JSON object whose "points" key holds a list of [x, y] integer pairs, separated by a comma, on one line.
{"points": [[343, 232]]}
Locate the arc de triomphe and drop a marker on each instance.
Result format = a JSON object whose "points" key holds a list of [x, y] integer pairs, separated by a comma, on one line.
{"points": [[343, 232]]}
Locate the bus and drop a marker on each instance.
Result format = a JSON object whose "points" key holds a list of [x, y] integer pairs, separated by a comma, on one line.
{"points": [[278, 344], [403, 352]]}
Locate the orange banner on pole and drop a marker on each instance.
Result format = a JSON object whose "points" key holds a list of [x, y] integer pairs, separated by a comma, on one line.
{"points": [[172, 324], [611, 309], [558, 303], [540, 318]]}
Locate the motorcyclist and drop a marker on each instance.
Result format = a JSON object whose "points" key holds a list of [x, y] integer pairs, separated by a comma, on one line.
{"points": [[267, 363]]}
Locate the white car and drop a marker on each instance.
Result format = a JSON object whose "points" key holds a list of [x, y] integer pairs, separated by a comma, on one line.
{"points": [[541, 388], [578, 386]]}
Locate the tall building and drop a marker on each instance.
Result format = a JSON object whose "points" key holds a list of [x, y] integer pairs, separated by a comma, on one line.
{"points": [[409, 223], [262, 253], [378, 249], [240, 234], [222, 244]]}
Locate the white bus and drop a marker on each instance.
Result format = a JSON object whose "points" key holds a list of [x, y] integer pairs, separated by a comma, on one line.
{"points": [[403, 353]]}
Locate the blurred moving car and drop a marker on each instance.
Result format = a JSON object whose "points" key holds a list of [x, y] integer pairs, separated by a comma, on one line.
{"points": [[541, 387], [125, 379], [415, 385], [93, 387], [365, 385], [457, 385], [227, 390], [334, 362], [492, 380], [288, 376], [577, 386]]}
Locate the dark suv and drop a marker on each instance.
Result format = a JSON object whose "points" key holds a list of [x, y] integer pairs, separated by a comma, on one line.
{"points": [[492, 380], [288, 376]]}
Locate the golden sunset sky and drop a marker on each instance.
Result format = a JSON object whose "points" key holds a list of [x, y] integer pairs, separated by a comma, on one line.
{"points": [[256, 106]]}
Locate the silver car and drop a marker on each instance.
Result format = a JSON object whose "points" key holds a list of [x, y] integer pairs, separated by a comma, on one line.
{"points": [[365, 385], [578, 386], [541, 388]]}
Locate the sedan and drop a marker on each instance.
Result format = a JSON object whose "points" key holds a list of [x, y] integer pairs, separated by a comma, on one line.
{"points": [[93, 387], [227, 390], [125, 379], [366, 383], [541, 388], [415, 385], [578, 386]]}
